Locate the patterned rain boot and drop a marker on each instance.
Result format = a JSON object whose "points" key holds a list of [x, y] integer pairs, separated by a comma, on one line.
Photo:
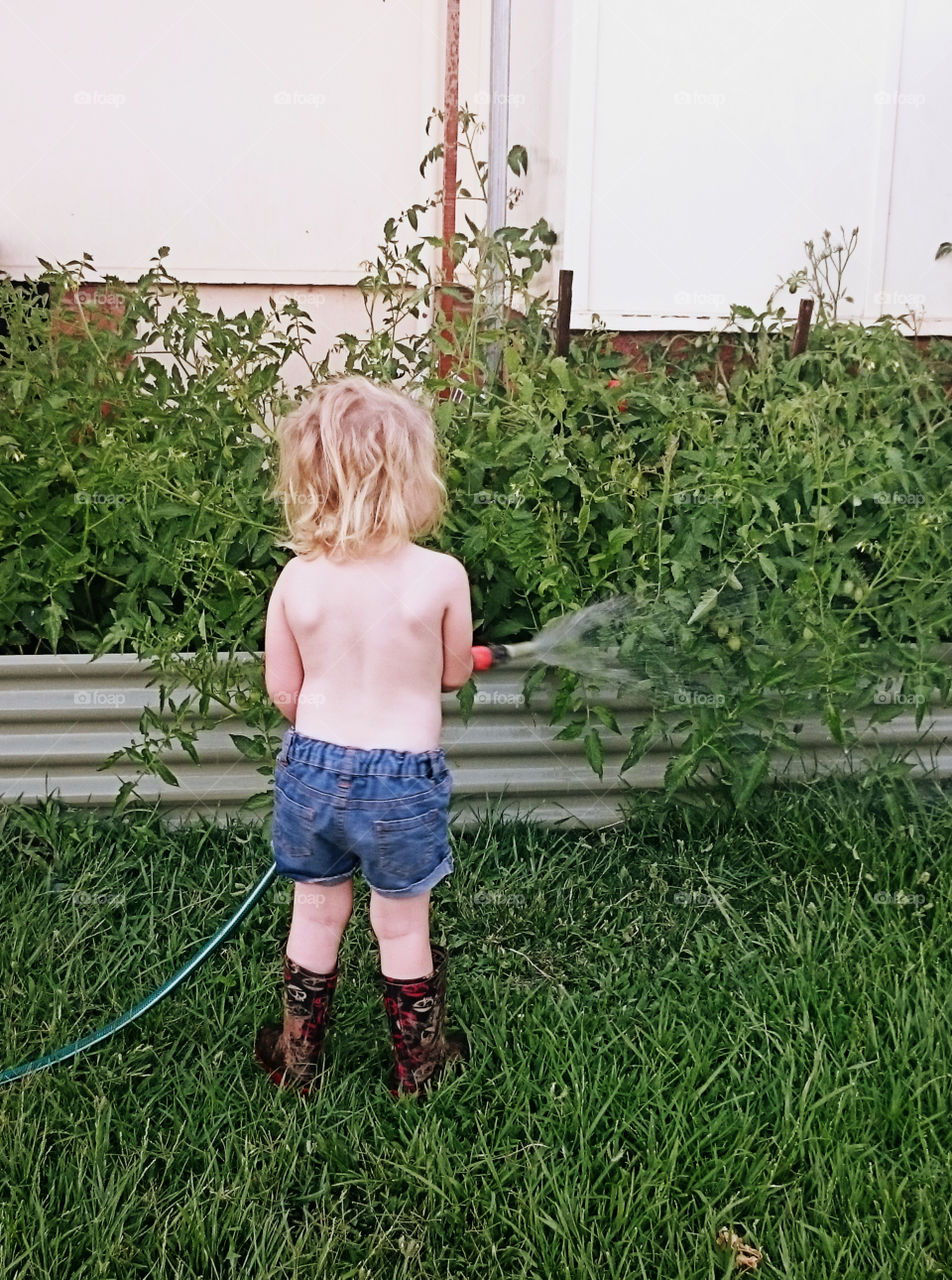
{"points": [[293, 1054], [416, 1011]]}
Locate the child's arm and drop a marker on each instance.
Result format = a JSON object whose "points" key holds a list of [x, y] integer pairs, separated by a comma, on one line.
{"points": [[283, 669], [457, 630]]}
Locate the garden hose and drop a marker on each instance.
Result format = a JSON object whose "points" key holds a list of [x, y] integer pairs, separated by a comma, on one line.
{"points": [[69, 1050], [484, 656]]}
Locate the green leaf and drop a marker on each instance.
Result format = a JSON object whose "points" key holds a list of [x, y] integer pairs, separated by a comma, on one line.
{"points": [[679, 769], [532, 682], [261, 800], [742, 788], [705, 604], [607, 718], [250, 748], [641, 740], [165, 773], [465, 698], [593, 750], [518, 159], [769, 568], [834, 722]]}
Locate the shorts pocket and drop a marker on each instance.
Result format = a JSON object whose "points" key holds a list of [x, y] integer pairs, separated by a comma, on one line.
{"points": [[410, 848], [292, 826]]}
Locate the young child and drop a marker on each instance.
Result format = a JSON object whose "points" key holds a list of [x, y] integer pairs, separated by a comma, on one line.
{"points": [[364, 631]]}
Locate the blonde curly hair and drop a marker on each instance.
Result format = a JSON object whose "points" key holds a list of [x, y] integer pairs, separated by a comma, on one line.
{"points": [[358, 470]]}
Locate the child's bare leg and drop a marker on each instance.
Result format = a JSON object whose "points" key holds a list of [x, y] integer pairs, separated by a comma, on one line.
{"points": [[320, 915], [402, 926]]}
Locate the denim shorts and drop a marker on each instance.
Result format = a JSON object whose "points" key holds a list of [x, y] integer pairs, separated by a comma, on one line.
{"points": [[338, 808]]}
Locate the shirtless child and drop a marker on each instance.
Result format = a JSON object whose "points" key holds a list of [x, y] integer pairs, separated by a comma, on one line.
{"points": [[365, 629]]}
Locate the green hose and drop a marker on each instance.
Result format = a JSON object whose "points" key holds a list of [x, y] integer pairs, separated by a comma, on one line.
{"points": [[28, 1068]]}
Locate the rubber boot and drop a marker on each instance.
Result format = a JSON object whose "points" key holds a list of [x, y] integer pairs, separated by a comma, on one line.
{"points": [[292, 1055], [416, 1011]]}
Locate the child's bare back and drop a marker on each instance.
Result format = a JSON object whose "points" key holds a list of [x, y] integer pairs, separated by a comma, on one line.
{"points": [[379, 638]]}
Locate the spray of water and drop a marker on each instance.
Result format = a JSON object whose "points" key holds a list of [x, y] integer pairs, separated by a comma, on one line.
{"points": [[638, 643]]}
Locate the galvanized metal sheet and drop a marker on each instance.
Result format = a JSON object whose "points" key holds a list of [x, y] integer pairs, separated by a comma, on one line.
{"points": [[61, 715]]}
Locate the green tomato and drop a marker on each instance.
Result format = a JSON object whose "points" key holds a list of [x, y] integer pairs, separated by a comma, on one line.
{"points": [[723, 631], [847, 587], [808, 633], [65, 470], [734, 643], [858, 593]]}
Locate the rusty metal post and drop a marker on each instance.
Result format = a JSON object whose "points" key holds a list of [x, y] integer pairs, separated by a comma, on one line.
{"points": [[803, 327], [564, 313], [450, 143]]}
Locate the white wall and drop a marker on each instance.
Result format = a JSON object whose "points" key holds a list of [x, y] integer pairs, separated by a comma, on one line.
{"points": [[260, 143], [683, 151], [707, 142]]}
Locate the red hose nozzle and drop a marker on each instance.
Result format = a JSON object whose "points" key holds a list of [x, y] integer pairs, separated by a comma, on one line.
{"points": [[486, 655], [482, 657]]}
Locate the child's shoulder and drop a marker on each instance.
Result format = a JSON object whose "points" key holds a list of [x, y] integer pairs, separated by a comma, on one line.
{"points": [[442, 562]]}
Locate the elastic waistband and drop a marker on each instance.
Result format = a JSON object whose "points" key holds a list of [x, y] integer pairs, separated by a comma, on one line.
{"points": [[332, 755]]}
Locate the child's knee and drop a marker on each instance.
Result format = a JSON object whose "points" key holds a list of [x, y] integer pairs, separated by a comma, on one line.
{"points": [[399, 917]]}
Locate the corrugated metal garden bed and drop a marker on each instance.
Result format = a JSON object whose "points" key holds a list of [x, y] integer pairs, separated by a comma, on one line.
{"points": [[61, 716]]}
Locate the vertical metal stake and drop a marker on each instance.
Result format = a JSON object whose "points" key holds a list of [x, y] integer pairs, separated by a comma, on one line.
{"points": [[563, 314], [803, 327]]}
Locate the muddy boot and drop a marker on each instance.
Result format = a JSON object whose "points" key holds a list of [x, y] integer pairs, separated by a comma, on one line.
{"points": [[293, 1054], [416, 1011]]}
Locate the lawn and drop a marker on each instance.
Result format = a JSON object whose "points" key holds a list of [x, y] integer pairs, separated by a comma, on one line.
{"points": [[690, 1021]]}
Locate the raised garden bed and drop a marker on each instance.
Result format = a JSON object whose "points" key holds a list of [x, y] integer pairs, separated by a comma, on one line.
{"points": [[61, 716]]}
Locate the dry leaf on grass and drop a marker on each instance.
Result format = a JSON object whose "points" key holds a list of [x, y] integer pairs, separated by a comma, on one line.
{"points": [[745, 1255]]}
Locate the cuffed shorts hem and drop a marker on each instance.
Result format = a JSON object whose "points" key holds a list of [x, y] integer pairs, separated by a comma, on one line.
{"points": [[330, 881], [438, 873]]}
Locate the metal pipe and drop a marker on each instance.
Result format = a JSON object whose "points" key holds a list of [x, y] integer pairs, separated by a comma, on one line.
{"points": [[498, 114], [498, 156], [450, 143], [450, 133]]}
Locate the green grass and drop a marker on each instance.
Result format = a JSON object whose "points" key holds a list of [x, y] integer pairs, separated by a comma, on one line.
{"points": [[691, 1021]]}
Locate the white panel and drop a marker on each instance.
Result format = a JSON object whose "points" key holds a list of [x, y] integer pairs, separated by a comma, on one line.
{"points": [[262, 143], [708, 142], [920, 215]]}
